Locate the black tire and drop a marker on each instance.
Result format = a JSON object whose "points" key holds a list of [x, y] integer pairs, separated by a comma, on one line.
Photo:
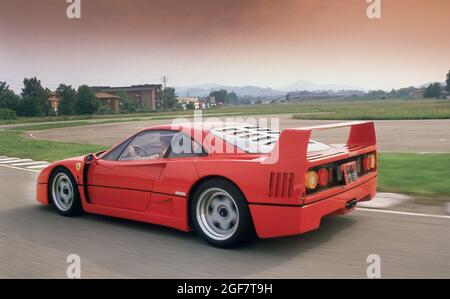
{"points": [[225, 211], [63, 180]]}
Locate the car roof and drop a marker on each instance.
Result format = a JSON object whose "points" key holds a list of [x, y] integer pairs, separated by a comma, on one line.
{"points": [[246, 137], [249, 138]]}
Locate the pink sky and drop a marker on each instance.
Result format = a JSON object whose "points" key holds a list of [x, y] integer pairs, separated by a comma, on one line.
{"points": [[234, 42]]}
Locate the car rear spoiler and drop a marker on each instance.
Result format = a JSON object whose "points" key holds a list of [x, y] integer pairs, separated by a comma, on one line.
{"points": [[293, 143]]}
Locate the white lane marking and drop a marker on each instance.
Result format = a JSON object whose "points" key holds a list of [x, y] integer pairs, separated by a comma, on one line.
{"points": [[31, 163], [18, 168], [37, 166], [8, 159], [16, 161], [404, 213]]}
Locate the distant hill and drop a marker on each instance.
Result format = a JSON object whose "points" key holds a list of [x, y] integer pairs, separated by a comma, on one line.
{"points": [[251, 91], [256, 91], [310, 86]]}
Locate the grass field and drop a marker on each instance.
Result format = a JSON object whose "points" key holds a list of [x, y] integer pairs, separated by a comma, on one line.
{"points": [[14, 145], [378, 109], [426, 175], [333, 109], [417, 174]]}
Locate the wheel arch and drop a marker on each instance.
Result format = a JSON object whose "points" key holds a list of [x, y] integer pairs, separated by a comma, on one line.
{"points": [[197, 185], [50, 176]]}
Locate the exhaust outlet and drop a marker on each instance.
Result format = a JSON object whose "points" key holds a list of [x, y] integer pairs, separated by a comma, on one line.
{"points": [[350, 204]]}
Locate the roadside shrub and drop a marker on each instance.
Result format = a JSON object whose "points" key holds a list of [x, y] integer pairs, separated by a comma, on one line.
{"points": [[104, 110], [7, 114]]}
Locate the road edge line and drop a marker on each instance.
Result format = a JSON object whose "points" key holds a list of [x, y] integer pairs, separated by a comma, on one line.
{"points": [[403, 213]]}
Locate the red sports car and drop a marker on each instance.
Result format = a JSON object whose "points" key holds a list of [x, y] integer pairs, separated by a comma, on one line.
{"points": [[225, 182]]}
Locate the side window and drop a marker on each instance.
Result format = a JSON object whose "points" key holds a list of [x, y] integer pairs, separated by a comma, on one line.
{"points": [[184, 146], [115, 153], [148, 145]]}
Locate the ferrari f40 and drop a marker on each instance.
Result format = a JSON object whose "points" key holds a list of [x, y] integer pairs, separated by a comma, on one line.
{"points": [[228, 183]]}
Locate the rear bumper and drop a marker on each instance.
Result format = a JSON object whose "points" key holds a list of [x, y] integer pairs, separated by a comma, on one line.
{"points": [[281, 220]]}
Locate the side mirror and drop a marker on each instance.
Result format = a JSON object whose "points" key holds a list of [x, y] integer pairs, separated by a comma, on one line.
{"points": [[89, 159]]}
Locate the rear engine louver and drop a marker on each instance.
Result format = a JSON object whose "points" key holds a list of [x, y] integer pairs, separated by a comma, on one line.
{"points": [[280, 184]]}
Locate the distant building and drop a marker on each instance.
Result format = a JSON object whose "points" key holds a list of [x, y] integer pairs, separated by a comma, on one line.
{"points": [[418, 93], [184, 101], [111, 101], [147, 96], [199, 103], [208, 102], [54, 100]]}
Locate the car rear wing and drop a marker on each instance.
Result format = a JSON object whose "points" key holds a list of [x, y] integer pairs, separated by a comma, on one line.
{"points": [[292, 145]]}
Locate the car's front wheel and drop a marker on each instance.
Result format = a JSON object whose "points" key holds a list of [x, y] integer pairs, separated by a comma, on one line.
{"points": [[220, 214], [64, 193]]}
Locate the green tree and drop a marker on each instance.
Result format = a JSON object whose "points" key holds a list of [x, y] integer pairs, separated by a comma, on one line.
{"points": [[68, 97], [448, 82], [127, 105], [8, 99], [433, 91], [7, 114], [169, 98], [221, 96], [3, 87], [190, 106], [233, 98], [86, 102], [34, 100], [377, 93]]}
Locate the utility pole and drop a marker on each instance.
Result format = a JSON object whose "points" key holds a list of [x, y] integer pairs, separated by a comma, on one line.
{"points": [[164, 81]]}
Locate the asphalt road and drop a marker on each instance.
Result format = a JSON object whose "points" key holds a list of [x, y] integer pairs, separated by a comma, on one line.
{"points": [[35, 242], [393, 136]]}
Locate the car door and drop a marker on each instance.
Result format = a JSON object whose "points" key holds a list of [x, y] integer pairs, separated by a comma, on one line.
{"points": [[125, 178]]}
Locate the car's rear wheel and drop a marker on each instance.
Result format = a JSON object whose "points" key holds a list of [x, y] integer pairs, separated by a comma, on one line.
{"points": [[64, 193], [219, 213]]}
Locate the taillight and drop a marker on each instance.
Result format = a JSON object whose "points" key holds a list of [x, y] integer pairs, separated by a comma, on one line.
{"points": [[311, 180], [370, 162], [323, 177]]}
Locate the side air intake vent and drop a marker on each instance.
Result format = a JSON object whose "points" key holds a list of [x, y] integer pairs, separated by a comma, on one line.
{"points": [[280, 184]]}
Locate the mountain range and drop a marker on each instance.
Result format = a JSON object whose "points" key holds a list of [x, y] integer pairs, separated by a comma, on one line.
{"points": [[256, 91]]}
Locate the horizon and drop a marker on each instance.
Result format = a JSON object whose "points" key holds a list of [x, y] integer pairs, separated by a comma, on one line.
{"points": [[259, 43], [229, 88]]}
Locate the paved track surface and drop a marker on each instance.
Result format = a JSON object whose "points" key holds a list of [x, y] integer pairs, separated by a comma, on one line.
{"points": [[35, 242], [393, 136]]}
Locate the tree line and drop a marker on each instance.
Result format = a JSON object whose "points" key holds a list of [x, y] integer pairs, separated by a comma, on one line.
{"points": [[225, 97], [435, 90], [34, 100]]}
